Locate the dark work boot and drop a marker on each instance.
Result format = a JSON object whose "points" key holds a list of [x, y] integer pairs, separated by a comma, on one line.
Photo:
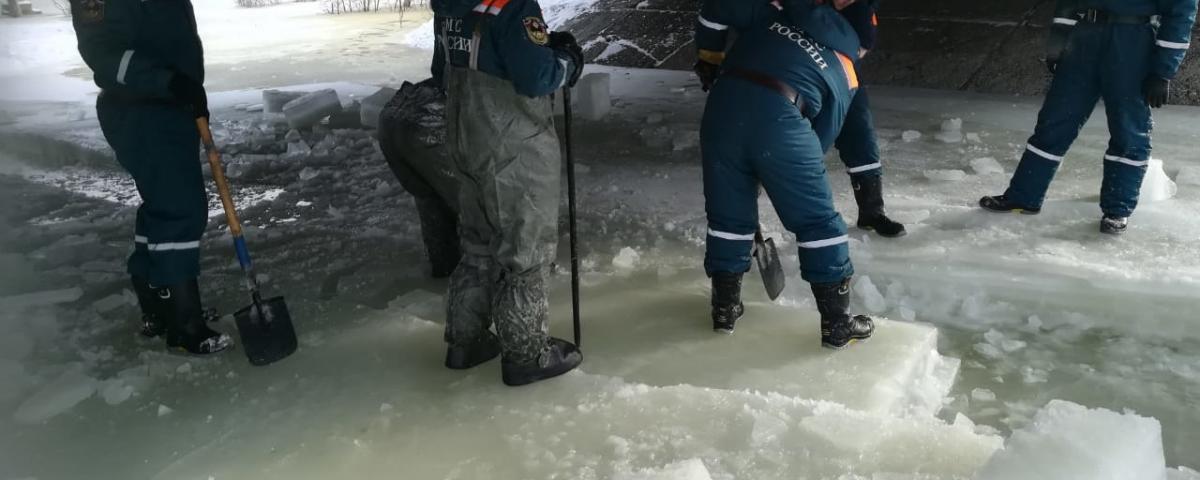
{"points": [[868, 192], [727, 305], [439, 230], [998, 203], [186, 321], [462, 357], [559, 357], [1113, 225], [153, 321], [838, 329]]}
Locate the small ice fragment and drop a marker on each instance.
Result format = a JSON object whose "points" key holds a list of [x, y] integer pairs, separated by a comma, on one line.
{"points": [[1034, 322], [184, 369], [309, 173], [952, 125], [385, 407], [974, 138], [983, 395], [871, 299], [304, 203], [986, 166], [988, 350], [164, 410], [910, 135], [685, 139], [116, 392], [626, 259]]}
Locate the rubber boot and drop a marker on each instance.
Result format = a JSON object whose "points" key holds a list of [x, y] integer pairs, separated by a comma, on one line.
{"points": [[727, 305], [463, 357], [439, 230], [868, 192], [558, 357], [1001, 204], [1113, 225], [838, 328], [187, 327], [521, 311], [153, 321]]}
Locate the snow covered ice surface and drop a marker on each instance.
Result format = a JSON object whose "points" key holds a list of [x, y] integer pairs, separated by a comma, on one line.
{"points": [[993, 317]]}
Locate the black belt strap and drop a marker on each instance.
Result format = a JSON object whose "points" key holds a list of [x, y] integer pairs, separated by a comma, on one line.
{"points": [[772, 83], [1093, 15]]}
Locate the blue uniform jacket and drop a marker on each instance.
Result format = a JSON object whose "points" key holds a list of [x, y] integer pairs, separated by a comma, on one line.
{"points": [[1175, 18], [503, 38], [134, 46]]}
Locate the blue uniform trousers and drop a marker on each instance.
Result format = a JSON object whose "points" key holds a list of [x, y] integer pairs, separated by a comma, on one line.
{"points": [[158, 144], [751, 135], [1102, 61], [856, 144]]}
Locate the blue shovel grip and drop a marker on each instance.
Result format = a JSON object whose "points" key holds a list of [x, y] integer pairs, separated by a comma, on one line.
{"points": [[243, 254]]}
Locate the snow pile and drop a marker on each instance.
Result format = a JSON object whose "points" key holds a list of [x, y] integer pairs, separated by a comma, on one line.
{"points": [[692, 469], [1157, 186], [1071, 442], [626, 259]]}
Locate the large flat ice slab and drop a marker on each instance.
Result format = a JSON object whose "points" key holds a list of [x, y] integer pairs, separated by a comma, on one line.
{"points": [[662, 336], [1071, 442]]}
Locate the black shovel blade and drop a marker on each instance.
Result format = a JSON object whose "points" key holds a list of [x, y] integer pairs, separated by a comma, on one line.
{"points": [[267, 332], [767, 258]]}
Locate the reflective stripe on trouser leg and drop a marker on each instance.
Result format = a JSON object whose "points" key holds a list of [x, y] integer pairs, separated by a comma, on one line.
{"points": [[159, 146], [1129, 121], [1069, 103], [856, 144], [792, 170], [730, 202]]}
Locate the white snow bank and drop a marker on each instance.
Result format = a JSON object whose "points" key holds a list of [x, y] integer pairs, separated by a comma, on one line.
{"points": [[556, 12], [692, 469], [1071, 442]]}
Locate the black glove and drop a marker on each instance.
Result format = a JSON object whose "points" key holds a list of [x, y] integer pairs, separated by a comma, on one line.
{"points": [[189, 93], [565, 45], [1156, 90], [708, 73]]}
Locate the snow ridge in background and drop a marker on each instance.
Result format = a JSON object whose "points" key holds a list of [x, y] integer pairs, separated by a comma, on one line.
{"points": [[556, 13]]}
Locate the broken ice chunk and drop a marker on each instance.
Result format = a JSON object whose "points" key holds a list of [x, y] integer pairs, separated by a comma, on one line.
{"points": [[593, 99], [373, 105], [626, 259], [274, 100], [986, 166], [945, 175], [60, 395], [685, 139], [164, 410], [1067, 441], [910, 135], [1157, 186], [310, 109]]}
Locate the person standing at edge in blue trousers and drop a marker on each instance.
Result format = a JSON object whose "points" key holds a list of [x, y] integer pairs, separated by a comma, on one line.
{"points": [[149, 64], [1122, 51], [856, 144], [778, 98]]}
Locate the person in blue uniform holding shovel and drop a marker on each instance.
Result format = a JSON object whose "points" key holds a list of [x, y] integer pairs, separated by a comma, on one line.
{"points": [[148, 61], [1122, 51], [778, 99]]}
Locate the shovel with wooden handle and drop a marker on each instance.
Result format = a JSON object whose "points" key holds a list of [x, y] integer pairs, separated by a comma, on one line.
{"points": [[265, 326]]}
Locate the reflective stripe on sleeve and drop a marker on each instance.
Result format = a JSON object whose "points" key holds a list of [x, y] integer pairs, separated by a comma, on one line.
{"points": [[730, 236], [1043, 154], [1065, 21], [124, 67], [828, 242]]}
